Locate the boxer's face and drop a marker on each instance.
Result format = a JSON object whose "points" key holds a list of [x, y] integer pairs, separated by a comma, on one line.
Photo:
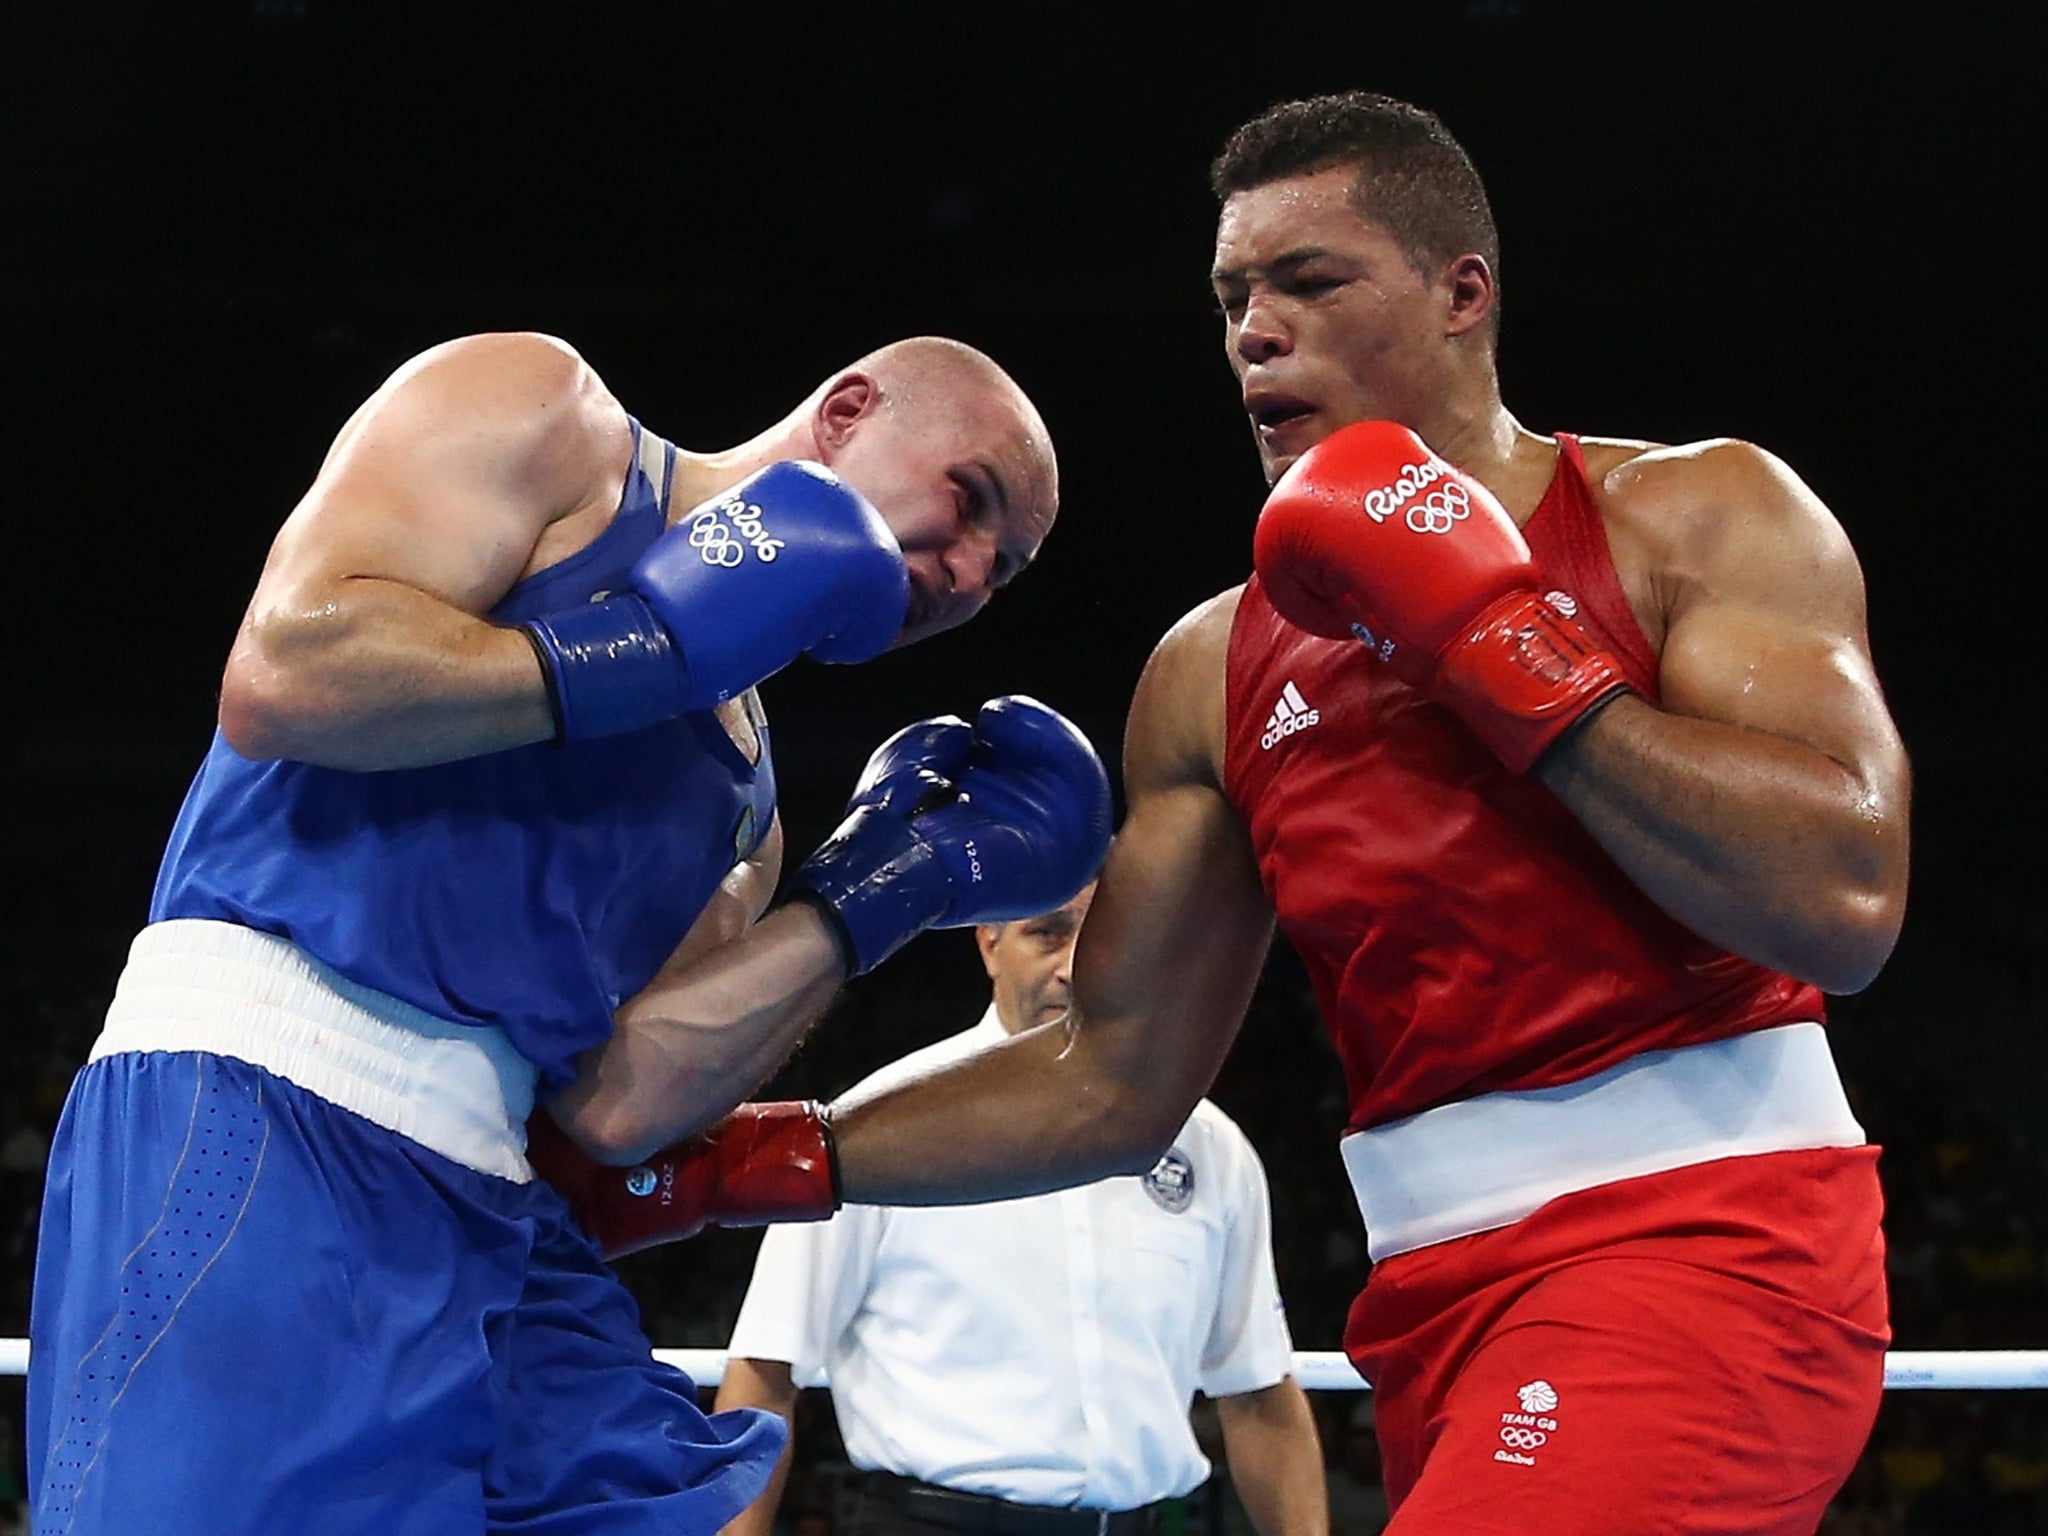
{"points": [[1031, 963], [969, 490], [1325, 319]]}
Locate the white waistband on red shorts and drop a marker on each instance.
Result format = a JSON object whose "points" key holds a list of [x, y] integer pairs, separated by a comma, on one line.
{"points": [[1488, 1162], [457, 1089]]}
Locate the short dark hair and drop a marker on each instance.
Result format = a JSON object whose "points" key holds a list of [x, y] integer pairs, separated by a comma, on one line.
{"points": [[1414, 179]]}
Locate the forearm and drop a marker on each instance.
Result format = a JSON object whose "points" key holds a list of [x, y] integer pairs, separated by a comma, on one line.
{"points": [[703, 1037], [380, 676], [1761, 845], [1275, 1458], [765, 1384], [1036, 1112], [1163, 972]]}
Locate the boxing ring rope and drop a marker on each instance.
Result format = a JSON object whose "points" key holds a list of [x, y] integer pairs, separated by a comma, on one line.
{"points": [[1326, 1370], [1905, 1370]]}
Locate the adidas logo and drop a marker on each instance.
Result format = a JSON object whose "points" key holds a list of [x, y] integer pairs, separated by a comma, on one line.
{"points": [[1291, 714]]}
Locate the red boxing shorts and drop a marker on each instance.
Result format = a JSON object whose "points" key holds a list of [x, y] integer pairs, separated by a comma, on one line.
{"points": [[1690, 1352]]}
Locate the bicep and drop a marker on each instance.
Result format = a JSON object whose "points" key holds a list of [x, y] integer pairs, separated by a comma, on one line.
{"points": [[365, 644], [1767, 629], [1179, 929], [742, 896], [1177, 935], [752, 1383], [1265, 1427], [443, 481]]}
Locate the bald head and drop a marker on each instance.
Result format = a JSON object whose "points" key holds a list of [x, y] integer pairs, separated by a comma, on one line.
{"points": [[931, 358], [940, 359], [955, 457], [937, 375]]}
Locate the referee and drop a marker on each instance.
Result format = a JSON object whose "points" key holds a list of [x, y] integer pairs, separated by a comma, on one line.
{"points": [[1026, 1368]]}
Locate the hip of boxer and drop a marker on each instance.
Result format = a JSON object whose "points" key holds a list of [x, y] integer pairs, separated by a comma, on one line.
{"points": [[198, 985], [1487, 1162]]}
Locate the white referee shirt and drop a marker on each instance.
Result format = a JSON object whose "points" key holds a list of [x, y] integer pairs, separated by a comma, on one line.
{"points": [[1044, 1350]]}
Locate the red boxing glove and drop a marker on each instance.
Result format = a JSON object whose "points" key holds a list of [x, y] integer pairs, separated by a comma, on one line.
{"points": [[761, 1163], [1369, 534]]}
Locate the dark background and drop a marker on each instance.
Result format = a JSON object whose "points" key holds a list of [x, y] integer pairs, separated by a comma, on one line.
{"points": [[1803, 224], [223, 225]]}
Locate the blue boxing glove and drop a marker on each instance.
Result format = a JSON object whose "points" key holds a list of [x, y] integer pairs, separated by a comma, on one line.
{"points": [[953, 825], [789, 561]]}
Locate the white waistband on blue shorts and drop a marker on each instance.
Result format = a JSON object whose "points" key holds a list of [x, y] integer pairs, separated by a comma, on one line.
{"points": [[1487, 1162], [457, 1089]]}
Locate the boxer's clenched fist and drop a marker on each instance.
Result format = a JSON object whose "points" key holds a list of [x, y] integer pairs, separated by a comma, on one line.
{"points": [[1369, 534], [761, 1163], [792, 560], [953, 825]]}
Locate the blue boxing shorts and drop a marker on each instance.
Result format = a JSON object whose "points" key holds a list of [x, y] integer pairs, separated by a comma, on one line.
{"points": [[257, 1312]]}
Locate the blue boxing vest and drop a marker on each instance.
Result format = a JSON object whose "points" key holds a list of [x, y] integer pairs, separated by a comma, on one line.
{"points": [[531, 889]]}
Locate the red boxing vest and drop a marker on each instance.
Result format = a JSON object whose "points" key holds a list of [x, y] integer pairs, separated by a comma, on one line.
{"points": [[1462, 930]]}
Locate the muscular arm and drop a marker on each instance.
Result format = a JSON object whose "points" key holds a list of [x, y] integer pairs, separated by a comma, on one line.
{"points": [[713, 1025], [736, 997], [1276, 1459], [1764, 805], [738, 903], [761, 1384], [1164, 969], [364, 645]]}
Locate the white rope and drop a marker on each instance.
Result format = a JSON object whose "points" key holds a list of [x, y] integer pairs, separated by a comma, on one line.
{"points": [[1944, 1370], [1994, 1370], [1997, 1370]]}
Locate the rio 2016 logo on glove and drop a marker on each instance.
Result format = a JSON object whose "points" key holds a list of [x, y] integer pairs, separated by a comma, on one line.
{"points": [[720, 545], [1435, 513], [1441, 509]]}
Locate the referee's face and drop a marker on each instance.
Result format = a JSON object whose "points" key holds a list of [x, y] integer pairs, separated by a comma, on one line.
{"points": [[1031, 963]]}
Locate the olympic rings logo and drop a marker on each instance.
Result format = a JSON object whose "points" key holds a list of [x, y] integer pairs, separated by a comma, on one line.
{"points": [[714, 542], [1523, 1439], [1441, 510]]}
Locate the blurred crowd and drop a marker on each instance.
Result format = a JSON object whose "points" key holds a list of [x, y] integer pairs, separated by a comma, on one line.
{"points": [[1967, 1193]]}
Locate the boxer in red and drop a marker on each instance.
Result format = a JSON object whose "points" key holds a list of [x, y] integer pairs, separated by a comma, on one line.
{"points": [[1562, 763]]}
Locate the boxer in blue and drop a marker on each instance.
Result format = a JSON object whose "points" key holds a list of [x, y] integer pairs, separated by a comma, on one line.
{"points": [[489, 821]]}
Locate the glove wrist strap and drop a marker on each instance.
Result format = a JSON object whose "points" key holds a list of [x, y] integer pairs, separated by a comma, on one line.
{"points": [[882, 882], [610, 667], [777, 1162], [1524, 674]]}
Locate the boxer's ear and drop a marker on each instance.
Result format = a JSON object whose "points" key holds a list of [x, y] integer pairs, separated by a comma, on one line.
{"points": [[851, 400], [1470, 294]]}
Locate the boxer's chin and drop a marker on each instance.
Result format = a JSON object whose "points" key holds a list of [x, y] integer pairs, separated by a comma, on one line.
{"points": [[932, 624]]}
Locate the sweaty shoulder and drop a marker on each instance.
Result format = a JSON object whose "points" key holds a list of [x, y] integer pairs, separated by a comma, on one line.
{"points": [[1177, 726], [526, 404], [526, 367], [1684, 519]]}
